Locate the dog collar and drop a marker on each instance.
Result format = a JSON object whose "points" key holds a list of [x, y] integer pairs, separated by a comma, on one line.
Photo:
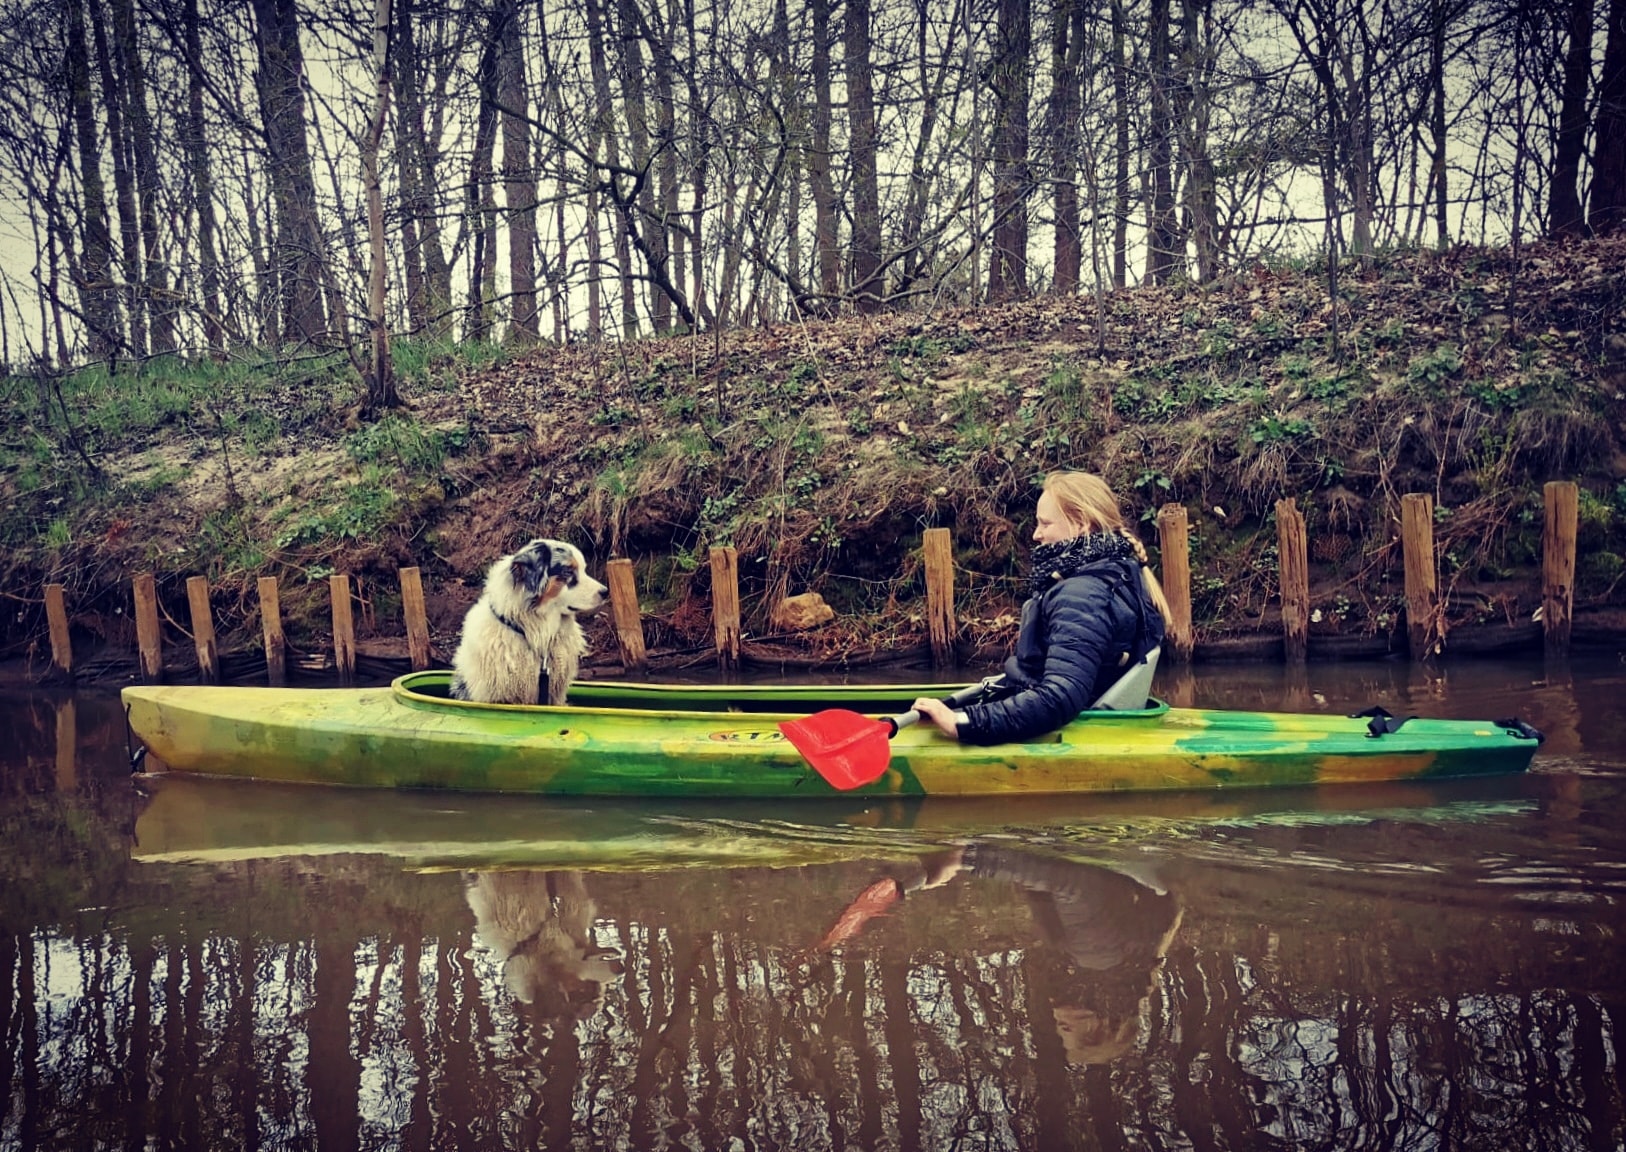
{"points": [[505, 621]]}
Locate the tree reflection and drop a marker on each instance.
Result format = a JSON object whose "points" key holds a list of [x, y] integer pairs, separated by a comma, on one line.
{"points": [[1000, 998]]}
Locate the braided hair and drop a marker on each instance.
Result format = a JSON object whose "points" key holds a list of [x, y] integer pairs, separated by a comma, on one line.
{"points": [[1090, 506]]}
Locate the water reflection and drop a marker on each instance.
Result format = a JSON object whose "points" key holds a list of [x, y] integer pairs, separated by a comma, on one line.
{"points": [[1101, 935], [538, 927], [224, 965]]}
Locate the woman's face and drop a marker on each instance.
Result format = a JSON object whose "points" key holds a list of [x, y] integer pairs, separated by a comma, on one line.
{"points": [[1053, 527]]}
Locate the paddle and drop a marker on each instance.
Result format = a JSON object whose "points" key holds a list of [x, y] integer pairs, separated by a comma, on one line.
{"points": [[850, 749]]}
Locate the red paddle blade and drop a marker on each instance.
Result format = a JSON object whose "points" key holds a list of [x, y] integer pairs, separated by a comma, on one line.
{"points": [[847, 749], [871, 902]]}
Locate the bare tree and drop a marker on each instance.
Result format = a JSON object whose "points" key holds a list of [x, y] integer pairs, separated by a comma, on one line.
{"points": [[1008, 261], [298, 240], [818, 163], [868, 287], [1564, 216], [1067, 41], [154, 286], [1607, 211], [1165, 253], [381, 390], [97, 298], [519, 178]]}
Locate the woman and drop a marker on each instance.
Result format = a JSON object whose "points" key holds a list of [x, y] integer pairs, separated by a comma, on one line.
{"points": [[1093, 609]]}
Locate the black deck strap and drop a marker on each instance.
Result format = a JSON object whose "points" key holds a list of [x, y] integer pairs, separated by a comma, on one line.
{"points": [[1380, 721], [1517, 727], [135, 753]]}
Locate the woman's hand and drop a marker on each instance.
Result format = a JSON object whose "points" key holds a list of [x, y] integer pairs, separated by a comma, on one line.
{"points": [[939, 714]]}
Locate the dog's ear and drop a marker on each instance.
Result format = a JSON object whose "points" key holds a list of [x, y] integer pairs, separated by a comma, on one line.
{"points": [[529, 567]]}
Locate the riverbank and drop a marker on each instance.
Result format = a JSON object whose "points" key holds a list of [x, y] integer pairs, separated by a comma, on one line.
{"points": [[820, 451]]}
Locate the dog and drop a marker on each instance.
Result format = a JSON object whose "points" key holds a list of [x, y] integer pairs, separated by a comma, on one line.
{"points": [[524, 627]]}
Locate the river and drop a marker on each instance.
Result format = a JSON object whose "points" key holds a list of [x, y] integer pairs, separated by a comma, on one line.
{"points": [[203, 964]]}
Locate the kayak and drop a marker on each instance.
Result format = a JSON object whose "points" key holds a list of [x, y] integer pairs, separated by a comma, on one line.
{"points": [[669, 740]]}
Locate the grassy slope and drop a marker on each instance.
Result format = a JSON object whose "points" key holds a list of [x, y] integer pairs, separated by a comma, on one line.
{"points": [[821, 450]]}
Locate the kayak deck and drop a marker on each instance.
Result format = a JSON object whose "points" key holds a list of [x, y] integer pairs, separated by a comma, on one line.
{"points": [[623, 739]]}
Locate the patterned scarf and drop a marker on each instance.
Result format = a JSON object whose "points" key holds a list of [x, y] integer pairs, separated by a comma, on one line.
{"points": [[1056, 562]]}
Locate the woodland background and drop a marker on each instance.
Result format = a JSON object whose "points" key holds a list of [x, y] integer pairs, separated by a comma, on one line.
{"points": [[198, 177], [294, 288]]}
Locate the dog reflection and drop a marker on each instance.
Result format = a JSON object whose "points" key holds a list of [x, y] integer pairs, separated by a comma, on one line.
{"points": [[539, 926]]}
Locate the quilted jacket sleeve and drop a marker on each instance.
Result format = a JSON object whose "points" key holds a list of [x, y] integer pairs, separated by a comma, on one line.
{"points": [[1079, 628]]}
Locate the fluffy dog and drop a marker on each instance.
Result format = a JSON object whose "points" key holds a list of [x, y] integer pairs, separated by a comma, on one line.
{"points": [[524, 627]]}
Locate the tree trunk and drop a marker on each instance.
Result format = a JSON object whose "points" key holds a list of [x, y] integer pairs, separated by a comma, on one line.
{"points": [[604, 131], [1437, 123], [1607, 212], [268, 293], [1359, 162], [97, 299], [868, 288], [480, 199], [701, 147], [784, 86], [1008, 261], [1164, 260], [818, 161], [197, 154], [420, 227], [637, 116], [1120, 124], [556, 270], [123, 188], [381, 391], [1201, 196], [914, 261], [1066, 52], [519, 178], [665, 241], [154, 284], [293, 188], [1564, 216]]}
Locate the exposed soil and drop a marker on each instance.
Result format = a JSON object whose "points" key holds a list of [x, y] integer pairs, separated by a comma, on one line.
{"points": [[821, 450]]}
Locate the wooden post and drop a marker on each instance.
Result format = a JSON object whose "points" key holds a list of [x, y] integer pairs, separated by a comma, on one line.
{"points": [[725, 605], [1422, 599], [417, 618], [1560, 499], [67, 742], [149, 636], [1174, 542], [344, 628], [56, 618], [203, 629], [629, 628], [276, 647], [938, 547], [1294, 564]]}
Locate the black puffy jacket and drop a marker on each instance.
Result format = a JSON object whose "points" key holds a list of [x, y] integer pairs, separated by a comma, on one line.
{"points": [[1071, 648]]}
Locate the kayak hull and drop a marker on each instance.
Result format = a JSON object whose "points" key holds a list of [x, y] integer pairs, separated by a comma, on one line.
{"points": [[724, 741]]}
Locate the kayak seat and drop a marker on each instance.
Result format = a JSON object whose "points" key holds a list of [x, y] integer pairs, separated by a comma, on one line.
{"points": [[1130, 691]]}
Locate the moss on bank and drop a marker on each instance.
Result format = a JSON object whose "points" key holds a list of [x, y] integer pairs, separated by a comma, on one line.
{"points": [[821, 451]]}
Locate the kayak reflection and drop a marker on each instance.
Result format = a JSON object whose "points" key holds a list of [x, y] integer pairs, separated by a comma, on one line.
{"points": [[1102, 934]]}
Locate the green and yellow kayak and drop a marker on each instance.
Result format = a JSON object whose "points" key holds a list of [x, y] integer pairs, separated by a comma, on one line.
{"points": [[626, 739]]}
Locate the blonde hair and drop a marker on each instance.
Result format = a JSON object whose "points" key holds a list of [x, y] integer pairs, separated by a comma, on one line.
{"points": [[1089, 505]]}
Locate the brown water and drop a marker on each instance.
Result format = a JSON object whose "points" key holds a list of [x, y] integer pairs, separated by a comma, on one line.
{"points": [[218, 965]]}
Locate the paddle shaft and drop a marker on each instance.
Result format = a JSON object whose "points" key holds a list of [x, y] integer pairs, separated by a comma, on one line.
{"points": [[964, 696]]}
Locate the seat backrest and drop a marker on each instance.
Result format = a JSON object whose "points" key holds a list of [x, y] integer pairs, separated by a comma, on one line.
{"points": [[1129, 692]]}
